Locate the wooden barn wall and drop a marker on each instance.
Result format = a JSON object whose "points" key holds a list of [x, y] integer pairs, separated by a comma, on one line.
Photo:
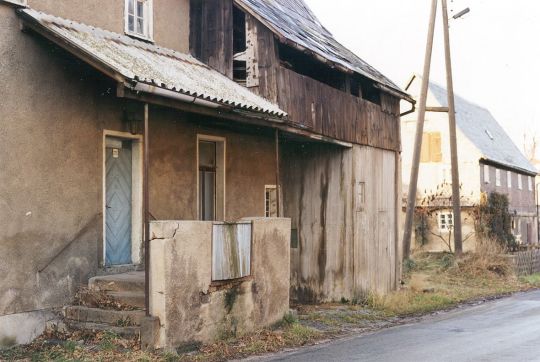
{"points": [[320, 108], [345, 248], [211, 33]]}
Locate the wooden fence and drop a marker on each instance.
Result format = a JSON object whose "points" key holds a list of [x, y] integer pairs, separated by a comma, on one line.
{"points": [[526, 262]]}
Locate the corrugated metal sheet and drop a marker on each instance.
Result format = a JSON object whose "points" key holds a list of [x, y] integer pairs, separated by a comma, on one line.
{"points": [[294, 21], [231, 251], [481, 128], [141, 62]]}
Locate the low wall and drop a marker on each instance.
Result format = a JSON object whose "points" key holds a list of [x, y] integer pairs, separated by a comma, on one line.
{"points": [[191, 308]]}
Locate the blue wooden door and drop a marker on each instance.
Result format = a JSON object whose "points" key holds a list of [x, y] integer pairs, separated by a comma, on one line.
{"points": [[118, 204]]}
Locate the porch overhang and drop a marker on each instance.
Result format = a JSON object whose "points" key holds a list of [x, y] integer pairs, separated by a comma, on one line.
{"points": [[155, 75]]}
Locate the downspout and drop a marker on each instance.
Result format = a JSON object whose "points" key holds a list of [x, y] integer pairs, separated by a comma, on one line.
{"points": [[146, 215], [412, 110]]}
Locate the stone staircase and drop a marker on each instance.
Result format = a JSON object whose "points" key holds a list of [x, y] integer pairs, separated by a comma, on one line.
{"points": [[126, 290]]}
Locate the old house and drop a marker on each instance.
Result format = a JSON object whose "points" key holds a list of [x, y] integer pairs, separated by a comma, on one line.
{"points": [[203, 161], [488, 162]]}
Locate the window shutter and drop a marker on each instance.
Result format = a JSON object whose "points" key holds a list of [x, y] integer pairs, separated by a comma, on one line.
{"points": [[435, 147]]}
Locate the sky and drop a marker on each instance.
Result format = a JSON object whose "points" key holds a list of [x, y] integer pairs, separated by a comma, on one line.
{"points": [[495, 50]]}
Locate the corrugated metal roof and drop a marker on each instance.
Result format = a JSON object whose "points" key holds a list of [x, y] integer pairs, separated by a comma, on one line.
{"points": [[146, 63], [479, 126], [294, 20]]}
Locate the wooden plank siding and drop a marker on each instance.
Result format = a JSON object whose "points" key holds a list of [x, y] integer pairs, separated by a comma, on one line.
{"points": [[211, 35], [328, 111]]}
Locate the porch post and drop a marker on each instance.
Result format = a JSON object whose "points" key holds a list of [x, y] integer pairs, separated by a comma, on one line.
{"points": [[146, 215], [278, 187]]}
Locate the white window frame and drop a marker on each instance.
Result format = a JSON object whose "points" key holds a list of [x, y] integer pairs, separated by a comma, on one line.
{"points": [[520, 182], [530, 183], [486, 174], [148, 20], [509, 179], [498, 177], [448, 224], [266, 210]]}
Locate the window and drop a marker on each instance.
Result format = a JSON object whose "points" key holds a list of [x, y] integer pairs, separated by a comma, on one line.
{"points": [[431, 147], [509, 179], [446, 221], [211, 178], [270, 201], [138, 18], [530, 180], [520, 182], [486, 174], [497, 177]]}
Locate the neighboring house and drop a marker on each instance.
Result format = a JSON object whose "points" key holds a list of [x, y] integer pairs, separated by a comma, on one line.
{"points": [[270, 123], [488, 162]]}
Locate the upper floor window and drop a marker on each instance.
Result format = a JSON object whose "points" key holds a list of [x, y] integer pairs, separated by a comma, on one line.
{"points": [[431, 147], [498, 177], [509, 179], [486, 174], [530, 180], [139, 18], [520, 182]]}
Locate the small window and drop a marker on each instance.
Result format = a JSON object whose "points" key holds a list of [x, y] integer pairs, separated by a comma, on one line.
{"points": [[431, 147], [138, 18], [446, 221], [486, 174], [498, 177], [509, 179], [270, 201], [530, 180], [520, 182]]}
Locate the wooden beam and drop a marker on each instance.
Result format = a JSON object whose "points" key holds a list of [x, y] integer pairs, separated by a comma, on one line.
{"points": [[278, 187], [146, 197], [437, 109]]}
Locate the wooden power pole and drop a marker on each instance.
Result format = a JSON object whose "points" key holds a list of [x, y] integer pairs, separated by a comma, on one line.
{"points": [[413, 184]]}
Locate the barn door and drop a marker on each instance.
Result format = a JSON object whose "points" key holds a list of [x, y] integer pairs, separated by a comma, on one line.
{"points": [[118, 208]]}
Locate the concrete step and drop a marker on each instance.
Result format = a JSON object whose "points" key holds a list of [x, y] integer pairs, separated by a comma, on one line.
{"points": [[126, 332], [96, 315], [126, 282], [133, 299]]}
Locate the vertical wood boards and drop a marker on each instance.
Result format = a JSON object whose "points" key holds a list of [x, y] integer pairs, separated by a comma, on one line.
{"points": [[211, 33], [252, 52], [376, 266], [345, 249]]}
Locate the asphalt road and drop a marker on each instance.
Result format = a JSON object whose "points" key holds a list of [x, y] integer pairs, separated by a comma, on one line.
{"points": [[503, 330]]}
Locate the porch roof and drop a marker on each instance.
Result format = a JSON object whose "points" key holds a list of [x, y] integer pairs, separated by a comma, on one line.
{"points": [[148, 68]]}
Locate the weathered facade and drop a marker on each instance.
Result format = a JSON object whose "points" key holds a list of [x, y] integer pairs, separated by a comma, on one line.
{"points": [[322, 152], [488, 162]]}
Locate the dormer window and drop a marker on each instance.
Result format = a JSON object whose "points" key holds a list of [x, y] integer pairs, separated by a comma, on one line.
{"points": [[139, 18]]}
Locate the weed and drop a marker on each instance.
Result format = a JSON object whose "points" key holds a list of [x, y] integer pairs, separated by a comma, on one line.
{"points": [[290, 318], [409, 265], [344, 300], [108, 341], [124, 322]]}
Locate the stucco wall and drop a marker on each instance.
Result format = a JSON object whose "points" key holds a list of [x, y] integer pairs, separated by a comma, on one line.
{"points": [[346, 247], [192, 309], [53, 113], [171, 17]]}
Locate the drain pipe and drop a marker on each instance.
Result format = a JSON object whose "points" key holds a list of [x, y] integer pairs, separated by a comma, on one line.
{"points": [[146, 215]]}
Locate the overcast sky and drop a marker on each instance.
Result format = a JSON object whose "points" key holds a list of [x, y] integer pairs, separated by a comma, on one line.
{"points": [[495, 49]]}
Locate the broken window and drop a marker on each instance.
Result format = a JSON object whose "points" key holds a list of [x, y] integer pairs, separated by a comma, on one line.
{"points": [[231, 251], [239, 46]]}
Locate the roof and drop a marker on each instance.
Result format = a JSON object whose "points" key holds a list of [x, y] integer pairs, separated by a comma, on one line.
{"points": [[295, 22], [140, 62], [481, 128]]}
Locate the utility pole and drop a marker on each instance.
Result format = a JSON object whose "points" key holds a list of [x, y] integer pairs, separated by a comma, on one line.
{"points": [[456, 198], [413, 184]]}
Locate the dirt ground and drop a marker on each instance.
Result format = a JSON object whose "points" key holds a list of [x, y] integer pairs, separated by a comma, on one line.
{"points": [[431, 283]]}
